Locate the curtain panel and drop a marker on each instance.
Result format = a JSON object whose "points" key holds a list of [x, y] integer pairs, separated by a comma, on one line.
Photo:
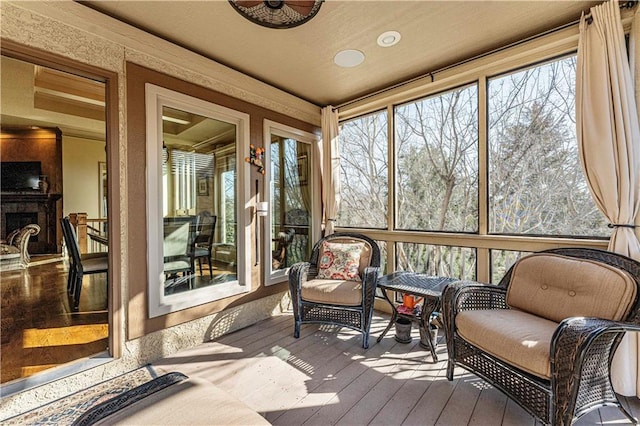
{"points": [[330, 169], [609, 146]]}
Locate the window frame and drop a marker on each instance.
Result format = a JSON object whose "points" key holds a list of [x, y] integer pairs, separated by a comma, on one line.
{"points": [[477, 70], [391, 167], [159, 304], [14, 50], [393, 145], [271, 127]]}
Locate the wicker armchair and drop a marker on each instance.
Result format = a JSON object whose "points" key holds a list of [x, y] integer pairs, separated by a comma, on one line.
{"points": [[546, 334], [338, 301]]}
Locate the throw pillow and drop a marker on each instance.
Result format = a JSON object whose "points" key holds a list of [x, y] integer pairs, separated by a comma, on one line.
{"points": [[340, 261]]}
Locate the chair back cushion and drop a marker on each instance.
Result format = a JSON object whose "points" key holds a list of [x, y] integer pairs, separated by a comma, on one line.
{"points": [[365, 255], [556, 287], [343, 259]]}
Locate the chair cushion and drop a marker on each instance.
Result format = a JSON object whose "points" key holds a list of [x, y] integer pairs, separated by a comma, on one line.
{"points": [[516, 337], [7, 249], [556, 287], [336, 292], [95, 264], [176, 266], [340, 261], [365, 256]]}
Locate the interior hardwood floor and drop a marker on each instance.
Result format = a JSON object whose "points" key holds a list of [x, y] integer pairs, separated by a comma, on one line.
{"points": [[326, 378], [39, 329]]}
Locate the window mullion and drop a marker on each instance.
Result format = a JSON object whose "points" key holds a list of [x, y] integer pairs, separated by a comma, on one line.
{"points": [[392, 209], [483, 259]]}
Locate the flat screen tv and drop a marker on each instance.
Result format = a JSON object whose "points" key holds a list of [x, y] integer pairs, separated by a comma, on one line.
{"points": [[19, 175]]}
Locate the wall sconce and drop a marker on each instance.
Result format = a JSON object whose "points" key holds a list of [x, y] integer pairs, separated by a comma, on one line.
{"points": [[262, 208]]}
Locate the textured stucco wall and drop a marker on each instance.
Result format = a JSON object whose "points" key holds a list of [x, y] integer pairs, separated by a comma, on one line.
{"points": [[78, 33]]}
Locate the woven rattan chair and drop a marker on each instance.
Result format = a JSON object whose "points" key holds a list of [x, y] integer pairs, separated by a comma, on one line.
{"points": [[546, 334], [347, 303]]}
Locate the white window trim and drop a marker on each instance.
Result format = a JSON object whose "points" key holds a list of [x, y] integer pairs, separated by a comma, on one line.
{"points": [[160, 304], [282, 130]]}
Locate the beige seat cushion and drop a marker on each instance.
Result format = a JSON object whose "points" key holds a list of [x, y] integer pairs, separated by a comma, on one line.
{"points": [[348, 293], [516, 337], [191, 402], [558, 287]]}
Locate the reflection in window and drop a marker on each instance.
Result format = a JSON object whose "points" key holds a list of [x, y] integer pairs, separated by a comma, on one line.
{"points": [[199, 201], [290, 201], [444, 261]]}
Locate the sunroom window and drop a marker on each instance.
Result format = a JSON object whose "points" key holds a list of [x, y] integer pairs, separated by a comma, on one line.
{"points": [[536, 183], [473, 174], [436, 143], [364, 172]]}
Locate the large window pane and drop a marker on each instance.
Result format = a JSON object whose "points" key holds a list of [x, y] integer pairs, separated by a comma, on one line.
{"points": [[364, 172], [437, 162], [199, 201], [196, 247], [501, 261], [536, 184], [443, 261], [291, 200]]}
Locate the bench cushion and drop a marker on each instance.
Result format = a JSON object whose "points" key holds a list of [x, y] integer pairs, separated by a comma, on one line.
{"points": [[192, 402], [556, 287], [516, 337]]}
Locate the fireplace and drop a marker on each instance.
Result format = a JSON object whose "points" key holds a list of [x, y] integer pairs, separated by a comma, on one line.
{"points": [[19, 209], [20, 220]]}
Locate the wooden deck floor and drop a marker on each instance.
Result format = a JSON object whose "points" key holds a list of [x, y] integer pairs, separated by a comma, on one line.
{"points": [[326, 378]]}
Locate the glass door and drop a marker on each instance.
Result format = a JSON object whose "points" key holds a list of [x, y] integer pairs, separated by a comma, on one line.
{"points": [[290, 229]]}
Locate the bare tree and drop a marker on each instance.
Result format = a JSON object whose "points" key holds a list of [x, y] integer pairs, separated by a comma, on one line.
{"points": [[364, 172], [536, 185], [536, 182]]}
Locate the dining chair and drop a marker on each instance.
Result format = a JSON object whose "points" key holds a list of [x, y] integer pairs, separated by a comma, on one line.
{"points": [[176, 245], [203, 241], [80, 265]]}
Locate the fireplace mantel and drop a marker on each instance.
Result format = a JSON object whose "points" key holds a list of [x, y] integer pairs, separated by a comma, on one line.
{"points": [[28, 197]]}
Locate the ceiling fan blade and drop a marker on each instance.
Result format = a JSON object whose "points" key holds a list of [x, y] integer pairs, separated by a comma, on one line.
{"points": [[301, 6], [248, 3]]}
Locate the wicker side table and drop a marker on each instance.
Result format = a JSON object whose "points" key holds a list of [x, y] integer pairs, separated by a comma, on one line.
{"points": [[428, 287]]}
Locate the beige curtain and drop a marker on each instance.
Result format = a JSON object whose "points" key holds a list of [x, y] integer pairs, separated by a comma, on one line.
{"points": [[609, 143], [330, 169]]}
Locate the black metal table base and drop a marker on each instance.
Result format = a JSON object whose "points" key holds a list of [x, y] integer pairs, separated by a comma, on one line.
{"points": [[429, 288]]}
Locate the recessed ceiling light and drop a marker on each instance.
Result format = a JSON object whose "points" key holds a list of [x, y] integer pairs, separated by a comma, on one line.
{"points": [[349, 58], [389, 38]]}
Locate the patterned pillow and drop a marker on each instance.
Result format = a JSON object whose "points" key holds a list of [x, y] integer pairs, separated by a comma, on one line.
{"points": [[340, 261]]}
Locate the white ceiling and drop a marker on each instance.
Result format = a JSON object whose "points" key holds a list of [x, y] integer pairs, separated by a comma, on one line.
{"points": [[300, 60]]}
